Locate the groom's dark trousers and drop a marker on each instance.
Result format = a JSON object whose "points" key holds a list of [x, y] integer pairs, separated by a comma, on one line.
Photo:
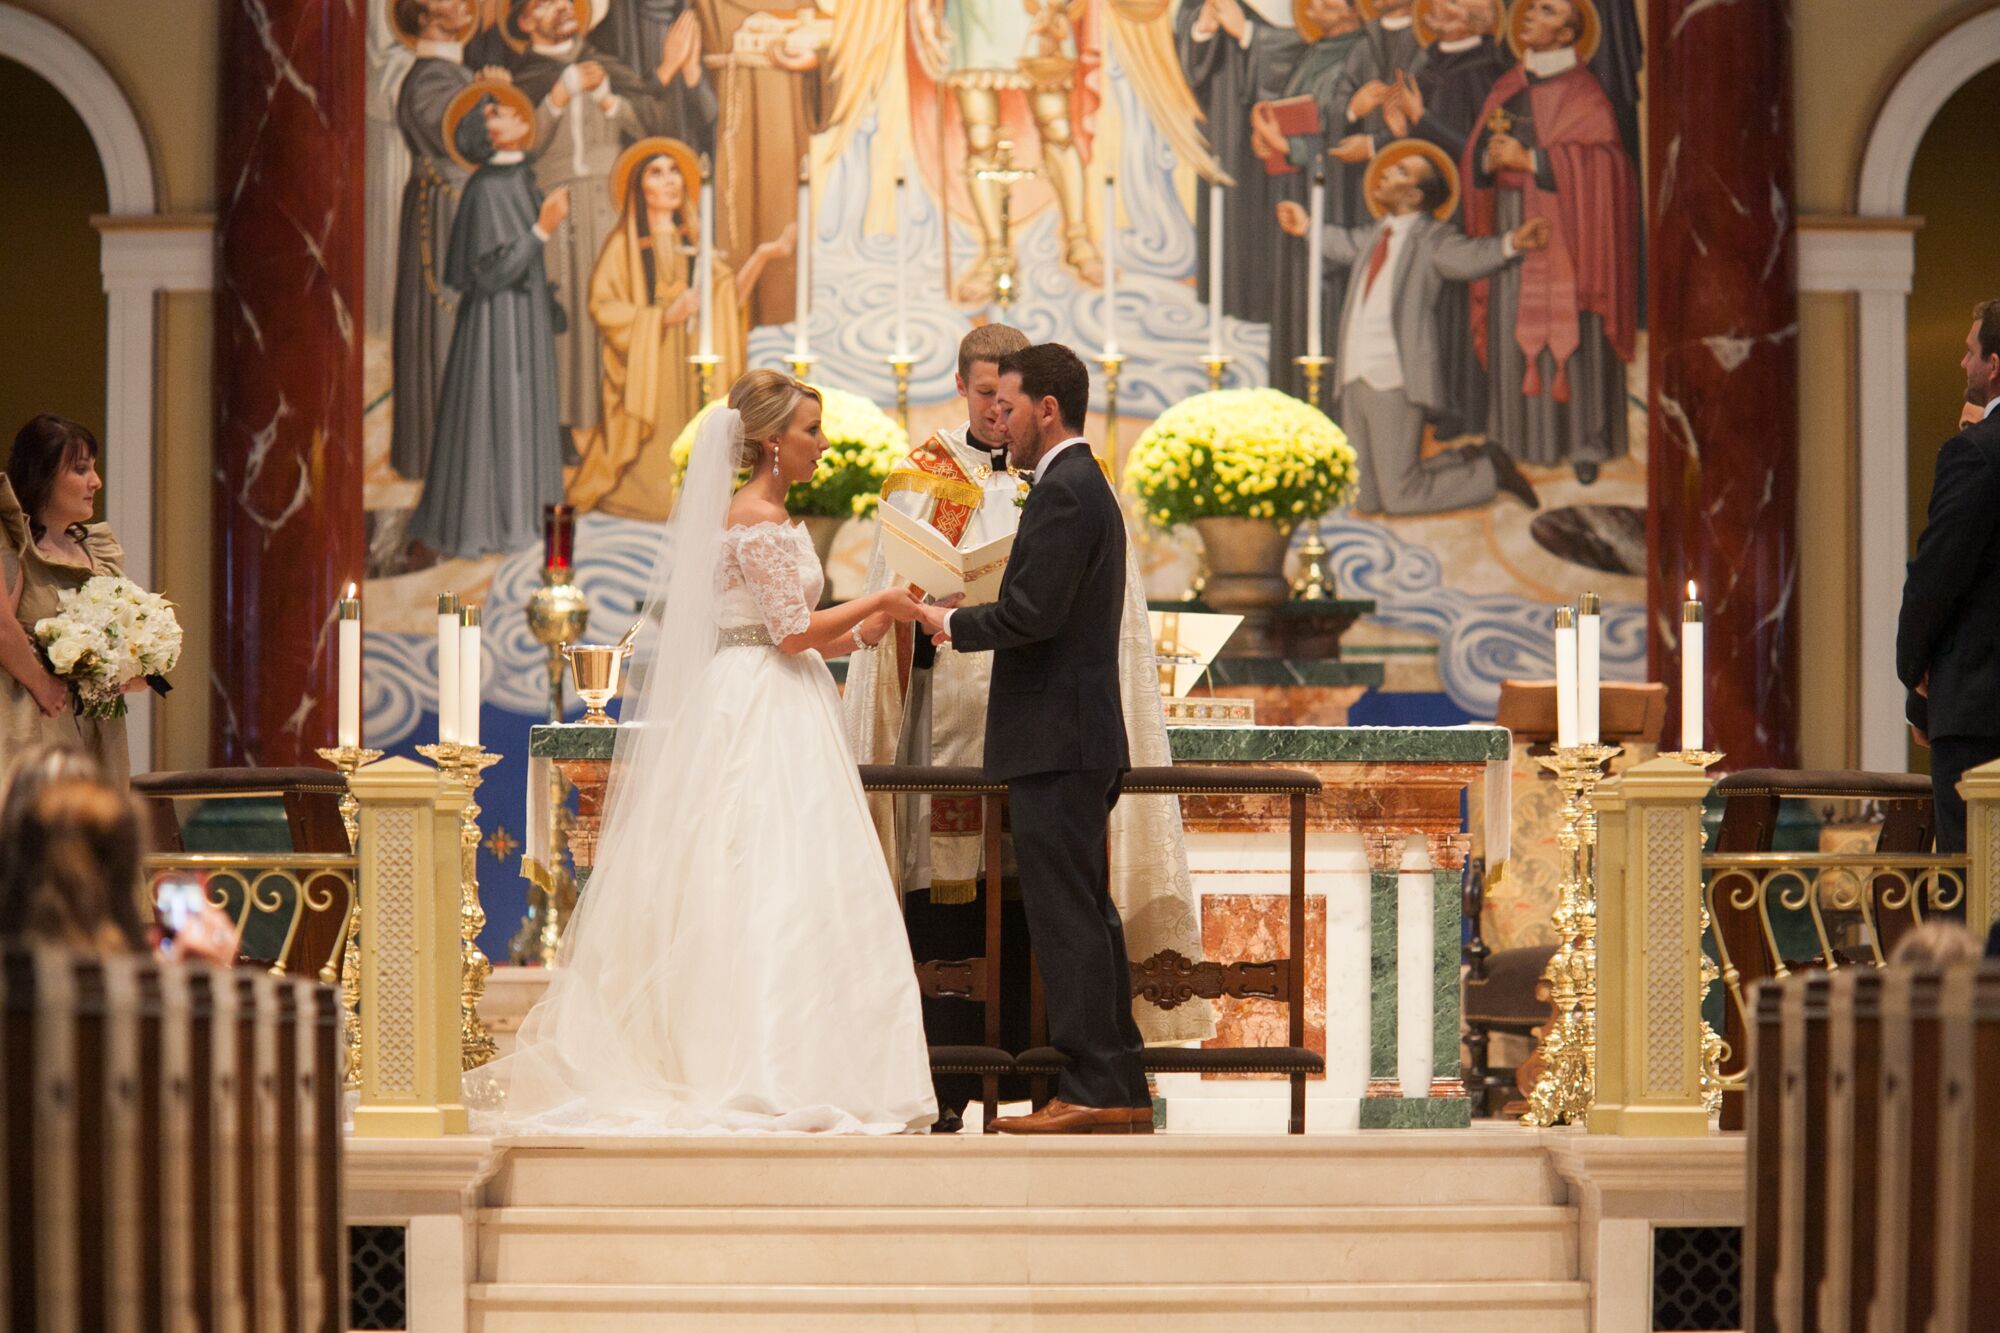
{"points": [[1056, 732]]}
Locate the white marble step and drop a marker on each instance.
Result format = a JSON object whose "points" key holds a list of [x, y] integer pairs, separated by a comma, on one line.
{"points": [[1026, 1246], [1459, 1168], [1546, 1307]]}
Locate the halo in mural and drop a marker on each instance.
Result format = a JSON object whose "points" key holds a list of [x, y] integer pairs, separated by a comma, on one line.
{"points": [[1396, 152], [1586, 42], [657, 146], [467, 98], [393, 11]]}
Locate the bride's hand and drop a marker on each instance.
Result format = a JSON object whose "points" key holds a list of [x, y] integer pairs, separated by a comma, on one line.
{"points": [[899, 604]]}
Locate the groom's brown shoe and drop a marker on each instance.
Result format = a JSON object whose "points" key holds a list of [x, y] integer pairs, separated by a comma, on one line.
{"points": [[1060, 1117]]}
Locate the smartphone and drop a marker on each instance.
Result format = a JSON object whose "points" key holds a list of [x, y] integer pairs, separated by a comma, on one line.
{"points": [[179, 899]]}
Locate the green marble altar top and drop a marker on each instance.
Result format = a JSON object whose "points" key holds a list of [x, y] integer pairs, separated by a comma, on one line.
{"points": [[1329, 609], [1243, 745], [1338, 745]]}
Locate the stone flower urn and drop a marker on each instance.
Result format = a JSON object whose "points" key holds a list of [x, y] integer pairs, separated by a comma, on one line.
{"points": [[1246, 577]]}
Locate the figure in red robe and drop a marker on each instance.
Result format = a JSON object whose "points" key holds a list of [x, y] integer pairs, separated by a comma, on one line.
{"points": [[1556, 331]]}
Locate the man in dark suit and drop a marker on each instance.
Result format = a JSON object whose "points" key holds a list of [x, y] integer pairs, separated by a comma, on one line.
{"points": [[1948, 636], [1056, 733]]}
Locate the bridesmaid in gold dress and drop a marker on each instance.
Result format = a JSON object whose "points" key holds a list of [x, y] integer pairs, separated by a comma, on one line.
{"points": [[48, 545], [646, 306]]}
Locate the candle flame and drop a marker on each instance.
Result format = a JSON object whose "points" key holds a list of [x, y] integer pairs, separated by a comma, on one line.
{"points": [[1691, 593], [351, 591]]}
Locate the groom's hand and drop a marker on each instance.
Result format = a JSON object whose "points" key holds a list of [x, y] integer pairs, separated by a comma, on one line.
{"points": [[933, 616]]}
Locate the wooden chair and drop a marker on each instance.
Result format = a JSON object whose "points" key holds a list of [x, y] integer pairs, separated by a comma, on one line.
{"points": [[1504, 992], [968, 980], [1167, 979], [311, 804]]}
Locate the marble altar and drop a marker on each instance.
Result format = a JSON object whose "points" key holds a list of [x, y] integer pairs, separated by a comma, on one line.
{"points": [[1386, 848]]}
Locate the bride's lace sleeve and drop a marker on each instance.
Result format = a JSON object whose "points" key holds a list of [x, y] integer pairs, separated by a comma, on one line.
{"points": [[766, 556]]}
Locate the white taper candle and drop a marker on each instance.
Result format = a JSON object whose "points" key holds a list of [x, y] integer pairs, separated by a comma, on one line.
{"points": [[1589, 641], [1566, 721], [802, 274], [1315, 261], [705, 264], [348, 721], [468, 676], [447, 681], [1691, 671], [902, 284], [1215, 271], [1110, 266]]}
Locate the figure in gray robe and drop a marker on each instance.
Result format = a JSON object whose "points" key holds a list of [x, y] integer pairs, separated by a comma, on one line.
{"points": [[1454, 77], [1314, 75], [425, 306], [497, 457], [634, 32], [1227, 74], [1388, 45]]}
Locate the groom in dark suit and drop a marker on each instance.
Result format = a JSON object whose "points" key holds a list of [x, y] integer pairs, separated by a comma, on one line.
{"points": [[1056, 733]]}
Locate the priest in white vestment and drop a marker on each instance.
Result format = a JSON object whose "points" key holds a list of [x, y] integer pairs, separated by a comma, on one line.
{"points": [[901, 710]]}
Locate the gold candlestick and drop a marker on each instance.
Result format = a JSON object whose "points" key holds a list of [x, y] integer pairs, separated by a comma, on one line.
{"points": [[1112, 363], [1711, 1040], [1314, 368], [1217, 362], [1312, 584], [706, 365], [466, 765], [1567, 1088], [347, 759], [901, 363], [801, 367]]}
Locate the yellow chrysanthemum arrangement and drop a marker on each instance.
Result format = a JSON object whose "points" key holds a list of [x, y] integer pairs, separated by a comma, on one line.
{"points": [[1240, 453], [862, 444]]}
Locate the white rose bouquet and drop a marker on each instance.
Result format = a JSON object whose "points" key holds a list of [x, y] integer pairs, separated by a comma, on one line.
{"points": [[107, 634]]}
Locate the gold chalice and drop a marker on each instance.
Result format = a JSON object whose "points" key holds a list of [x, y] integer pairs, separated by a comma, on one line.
{"points": [[595, 667]]}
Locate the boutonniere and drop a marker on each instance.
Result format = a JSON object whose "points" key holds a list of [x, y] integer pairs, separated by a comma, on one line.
{"points": [[1023, 483]]}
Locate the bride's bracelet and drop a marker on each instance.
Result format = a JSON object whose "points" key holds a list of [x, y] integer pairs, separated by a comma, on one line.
{"points": [[854, 637]]}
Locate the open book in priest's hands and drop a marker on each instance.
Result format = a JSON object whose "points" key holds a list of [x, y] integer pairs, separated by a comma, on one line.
{"points": [[918, 553]]}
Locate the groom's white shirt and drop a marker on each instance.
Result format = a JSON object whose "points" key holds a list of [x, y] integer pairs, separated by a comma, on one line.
{"points": [[1041, 466]]}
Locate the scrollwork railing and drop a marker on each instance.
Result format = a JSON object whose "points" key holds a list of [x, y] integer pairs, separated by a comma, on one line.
{"points": [[1856, 903], [303, 900]]}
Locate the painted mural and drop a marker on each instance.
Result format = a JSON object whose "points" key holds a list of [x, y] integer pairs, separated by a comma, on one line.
{"points": [[539, 172]]}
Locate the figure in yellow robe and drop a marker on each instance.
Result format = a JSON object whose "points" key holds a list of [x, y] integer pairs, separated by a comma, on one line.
{"points": [[645, 302]]}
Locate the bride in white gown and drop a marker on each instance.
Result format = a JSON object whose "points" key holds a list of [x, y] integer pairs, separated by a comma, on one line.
{"points": [[738, 963]]}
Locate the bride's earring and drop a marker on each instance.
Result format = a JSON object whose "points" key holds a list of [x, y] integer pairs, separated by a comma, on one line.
{"points": [[774, 465]]}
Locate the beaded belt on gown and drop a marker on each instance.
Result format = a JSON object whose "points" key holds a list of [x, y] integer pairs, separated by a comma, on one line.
{"points": [[744, 636]]}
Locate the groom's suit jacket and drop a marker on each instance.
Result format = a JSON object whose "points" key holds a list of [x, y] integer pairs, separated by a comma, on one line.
{"points": [[1054, 628]]}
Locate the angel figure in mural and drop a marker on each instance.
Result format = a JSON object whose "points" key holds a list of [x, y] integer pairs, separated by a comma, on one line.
{"points": [[497, 456], [983, 73], [645, 302]]}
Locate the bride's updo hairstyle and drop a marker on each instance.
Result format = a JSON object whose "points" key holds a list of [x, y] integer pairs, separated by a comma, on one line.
{"points": [[766, 400]]}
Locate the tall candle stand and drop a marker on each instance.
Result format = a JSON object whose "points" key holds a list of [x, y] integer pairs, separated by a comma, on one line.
{"points": [[347, 759], [558, 615], [1217, 363], [1712, 1047], [801, 367], [1111, 363], [1567, 1088], [706, 366], [901, 363], [466, 765]]}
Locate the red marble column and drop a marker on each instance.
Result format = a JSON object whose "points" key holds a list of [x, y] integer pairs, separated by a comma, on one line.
{"points": [[288, 525], [1722, 338]]}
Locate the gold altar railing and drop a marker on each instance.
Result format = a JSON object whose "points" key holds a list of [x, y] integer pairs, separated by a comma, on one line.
{"points": [[292, 910], [1658, 1069]]}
